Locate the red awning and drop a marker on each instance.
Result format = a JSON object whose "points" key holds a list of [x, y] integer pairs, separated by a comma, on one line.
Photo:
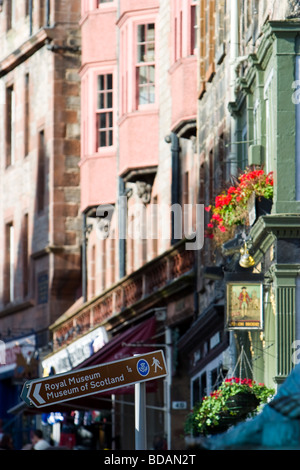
{"points": [[126, 344]]}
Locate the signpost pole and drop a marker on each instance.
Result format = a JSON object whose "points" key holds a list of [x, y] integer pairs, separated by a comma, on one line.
{"points": [[140, 416]]}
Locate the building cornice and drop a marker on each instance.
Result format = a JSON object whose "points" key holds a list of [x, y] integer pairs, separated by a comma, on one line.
{"points": [[26, 50], [271, 227]]}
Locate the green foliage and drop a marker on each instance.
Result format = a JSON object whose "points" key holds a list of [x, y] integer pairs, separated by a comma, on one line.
{"points": [[208, 414], [231, 206]]}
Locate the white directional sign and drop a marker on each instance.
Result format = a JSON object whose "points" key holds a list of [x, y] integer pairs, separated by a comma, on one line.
{"points": [[77, 384]]}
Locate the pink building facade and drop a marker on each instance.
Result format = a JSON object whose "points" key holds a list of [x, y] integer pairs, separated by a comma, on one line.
{"points": [[139, 84], [138, 167]]}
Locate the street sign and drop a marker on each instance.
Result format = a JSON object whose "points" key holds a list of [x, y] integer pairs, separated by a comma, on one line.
{"points": [[89, 381]]}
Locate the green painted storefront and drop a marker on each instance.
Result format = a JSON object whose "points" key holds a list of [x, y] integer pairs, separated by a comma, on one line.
{"points": [[268, 97]]}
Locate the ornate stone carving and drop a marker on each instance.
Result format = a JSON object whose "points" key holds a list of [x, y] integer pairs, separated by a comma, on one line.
{"points": [[144, 191]]}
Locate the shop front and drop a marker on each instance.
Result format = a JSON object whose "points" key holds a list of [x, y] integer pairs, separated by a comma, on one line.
{"points": [[18, 363]]}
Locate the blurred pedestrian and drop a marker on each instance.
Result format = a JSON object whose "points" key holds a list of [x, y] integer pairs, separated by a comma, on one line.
{"points": [[6, 442], [38, 441]]}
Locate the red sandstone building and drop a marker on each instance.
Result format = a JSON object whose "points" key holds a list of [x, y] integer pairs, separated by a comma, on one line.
{"points": [[39, 179], [138, 160]]}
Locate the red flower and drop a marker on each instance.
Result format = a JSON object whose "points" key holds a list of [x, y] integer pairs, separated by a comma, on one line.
{"points": [[232, 190]]}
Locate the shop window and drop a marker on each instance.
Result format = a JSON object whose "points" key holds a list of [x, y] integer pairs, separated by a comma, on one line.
{"points": [[199, 388], [104, 114], [145, 66], [196, 391]]}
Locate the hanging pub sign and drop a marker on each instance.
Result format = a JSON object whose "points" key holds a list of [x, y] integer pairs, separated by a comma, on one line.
{"points": [[244, 305]]}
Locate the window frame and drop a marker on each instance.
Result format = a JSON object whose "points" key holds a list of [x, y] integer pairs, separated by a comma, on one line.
{"points": [[10, 122], [102, 3], [147, 64], [105, 110], [9, 266]]}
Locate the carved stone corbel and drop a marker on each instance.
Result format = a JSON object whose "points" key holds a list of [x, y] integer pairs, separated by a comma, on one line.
{"points": [[144, 191]]}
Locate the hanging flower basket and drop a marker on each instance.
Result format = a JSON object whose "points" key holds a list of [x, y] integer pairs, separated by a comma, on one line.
{"points": [[230, 208], [234, 401], [263, 206]]}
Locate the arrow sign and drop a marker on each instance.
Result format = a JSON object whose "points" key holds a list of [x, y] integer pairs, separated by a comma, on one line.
{"points": [[89, 381], [36, 394]]}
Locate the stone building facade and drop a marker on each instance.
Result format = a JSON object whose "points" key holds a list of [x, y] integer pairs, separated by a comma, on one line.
{"points": [[39, 177], [138, 163], [246, 96]]}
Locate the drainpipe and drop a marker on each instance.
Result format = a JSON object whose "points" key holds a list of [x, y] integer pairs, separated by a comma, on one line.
{"points": [[168, 385], [122, 228], [47, 13], [84, 258], [234, 54], [175, 179]]}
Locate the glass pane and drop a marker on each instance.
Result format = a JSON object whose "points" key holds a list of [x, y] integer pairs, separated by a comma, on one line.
{"points": [[102, 120], [151, 94], [143, 95], [141, 53], [101, 101], [110, 119], [143, 75], [150, 53], [110, 138], [103, 139], [151, 71], [141, 33], [150, 32], [109, 103], [109, 82], [100, 82]]}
